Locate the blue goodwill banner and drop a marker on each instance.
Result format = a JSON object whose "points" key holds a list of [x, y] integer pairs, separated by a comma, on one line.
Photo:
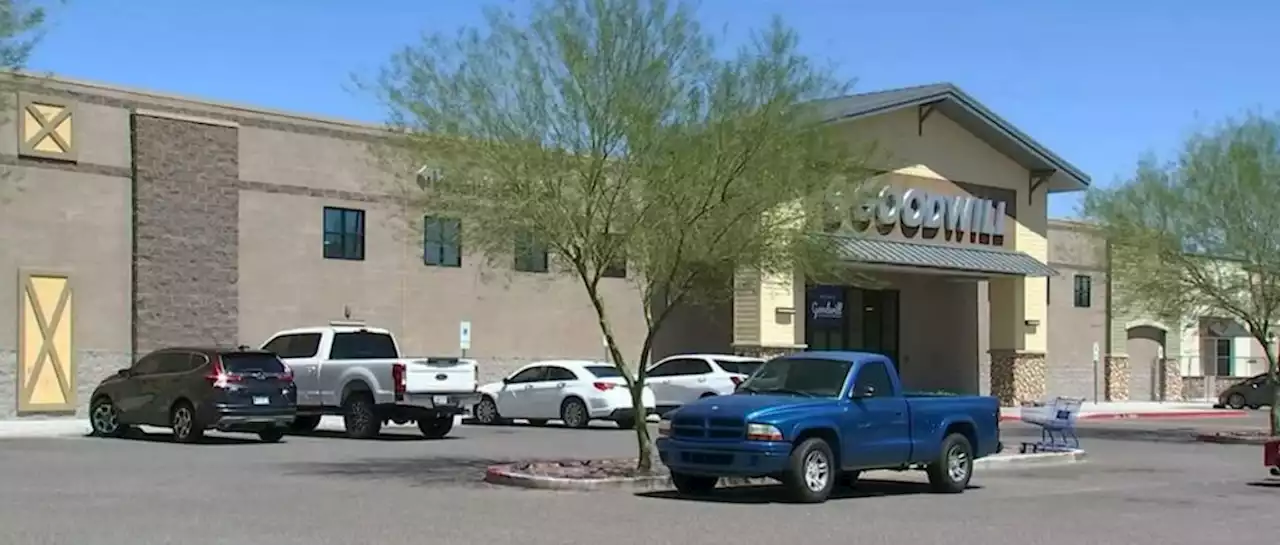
{"points": [[825, 306]]}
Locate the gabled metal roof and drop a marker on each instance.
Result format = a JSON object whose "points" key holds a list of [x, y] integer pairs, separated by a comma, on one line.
{"points": [[962, 258], [968, 113]]}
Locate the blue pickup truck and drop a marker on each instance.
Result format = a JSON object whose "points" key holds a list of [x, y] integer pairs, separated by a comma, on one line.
{"points": [[814, 419]]}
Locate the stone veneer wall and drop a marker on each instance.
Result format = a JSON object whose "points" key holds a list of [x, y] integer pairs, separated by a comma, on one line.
{"points": [[1172, 380], [91, 367], [1193, 388], [1018, 377], [186, 232], [1117, 377]]}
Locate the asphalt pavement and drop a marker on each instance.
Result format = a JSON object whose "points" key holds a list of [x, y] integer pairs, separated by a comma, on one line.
{"points": [[1137, 487]]}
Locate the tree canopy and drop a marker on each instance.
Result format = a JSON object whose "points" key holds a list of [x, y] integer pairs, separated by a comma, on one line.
{"points": [[1198, 234], [612, 132]]}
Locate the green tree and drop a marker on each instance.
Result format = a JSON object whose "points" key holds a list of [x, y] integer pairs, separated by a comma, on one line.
{"points": [[610, 132], [1199, 234]]}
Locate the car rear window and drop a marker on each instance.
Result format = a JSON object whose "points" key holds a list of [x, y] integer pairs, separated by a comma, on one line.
{"points": [[245, 363], [363, 345], [741, 367], [604, 371]]}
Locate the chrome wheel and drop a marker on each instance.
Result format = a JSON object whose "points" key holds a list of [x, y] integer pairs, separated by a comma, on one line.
{"points": [[487, 411], [104, 419], [817, 470], [574, 414], [957, 464], [182, 422]]}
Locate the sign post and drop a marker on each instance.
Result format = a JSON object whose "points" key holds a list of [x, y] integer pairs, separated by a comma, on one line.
{"points": [[464, 337], [1097, 355]]}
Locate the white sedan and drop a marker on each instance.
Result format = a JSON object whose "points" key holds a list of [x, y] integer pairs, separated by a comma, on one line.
{"points": [[572, 391]]}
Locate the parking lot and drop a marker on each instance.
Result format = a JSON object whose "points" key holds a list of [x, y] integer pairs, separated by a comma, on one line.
{"points": [[326, 489]]}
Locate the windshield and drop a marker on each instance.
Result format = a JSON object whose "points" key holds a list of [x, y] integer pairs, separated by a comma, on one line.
{"points": [[740, 367], [604, 371], [806, 377]]}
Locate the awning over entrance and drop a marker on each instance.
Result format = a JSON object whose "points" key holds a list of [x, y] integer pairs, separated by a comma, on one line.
{"points": [[968, 259]]}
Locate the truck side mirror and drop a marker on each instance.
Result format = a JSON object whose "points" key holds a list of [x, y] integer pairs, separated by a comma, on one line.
{"points": [[864, 392]]}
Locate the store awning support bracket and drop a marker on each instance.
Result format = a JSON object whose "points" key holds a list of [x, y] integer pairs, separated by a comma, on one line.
{"points": [[922, 113], [1037, 179]]}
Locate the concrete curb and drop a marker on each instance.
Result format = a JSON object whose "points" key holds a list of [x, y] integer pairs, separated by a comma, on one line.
{"points": [[505, 475], [74, 427], [1148, 415], [1219, 439]]}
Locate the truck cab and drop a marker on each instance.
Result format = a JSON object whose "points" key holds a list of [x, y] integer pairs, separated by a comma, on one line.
{"points": [[814, 418]]}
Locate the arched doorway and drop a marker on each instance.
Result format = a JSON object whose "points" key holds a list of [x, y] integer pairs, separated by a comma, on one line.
{"points": [[1146, 347]]}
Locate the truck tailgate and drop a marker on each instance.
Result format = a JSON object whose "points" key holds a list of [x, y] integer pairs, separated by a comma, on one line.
{"points": [[440, 375]]}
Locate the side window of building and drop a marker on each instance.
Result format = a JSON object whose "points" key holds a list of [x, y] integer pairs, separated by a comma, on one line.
{"points": [[442, 242], [343, 233], [295, 346], [530, 254], [876, 376], [1083, 291]]}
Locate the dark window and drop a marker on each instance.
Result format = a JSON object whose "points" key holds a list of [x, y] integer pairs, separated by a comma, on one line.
{"points": [[1048, 290], [532, 374], [815, 377], [617, 266], [442, 242], [1083, 291], [363, 345], [252, 362], [531, 254], [740, 367], [174, 362], [604, 371], [304, 345], [149, 364], [679, 367], [1223, 354], [560, 373], [343, 233], [874, 375]]}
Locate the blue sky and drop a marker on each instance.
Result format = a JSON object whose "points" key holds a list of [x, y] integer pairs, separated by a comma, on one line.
{"points": [[1099, 82]]}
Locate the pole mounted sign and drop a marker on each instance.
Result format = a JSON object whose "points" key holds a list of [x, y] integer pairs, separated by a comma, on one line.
{"points": [[464, 335]]}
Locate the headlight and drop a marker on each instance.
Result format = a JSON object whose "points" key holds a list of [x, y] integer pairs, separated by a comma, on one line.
{"points": [[664, 428], [763, 432]]}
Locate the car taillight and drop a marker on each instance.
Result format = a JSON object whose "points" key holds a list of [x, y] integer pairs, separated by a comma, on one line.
{"points": [[218, 376], [604, 386], [737, 380], [398, 378], [287, 375]]}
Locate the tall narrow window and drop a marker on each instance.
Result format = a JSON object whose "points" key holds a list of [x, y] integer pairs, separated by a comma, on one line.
{"points": [[530, 253], [343, 233], [442, 242], [1223, 356], [617, 267], [1083, 291]]}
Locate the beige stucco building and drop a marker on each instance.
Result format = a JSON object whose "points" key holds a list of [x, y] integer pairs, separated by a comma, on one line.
{"points": [[134, 220]]}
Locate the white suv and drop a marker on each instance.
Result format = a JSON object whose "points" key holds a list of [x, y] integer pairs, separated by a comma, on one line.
{"points": [[680, 379]]}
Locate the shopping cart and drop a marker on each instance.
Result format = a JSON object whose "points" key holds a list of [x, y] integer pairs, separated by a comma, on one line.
{"points": [[1057, 422]]}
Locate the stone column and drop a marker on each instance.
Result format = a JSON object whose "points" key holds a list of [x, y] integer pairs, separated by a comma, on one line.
{"points": [[1172, 374], [1017, 376], [1117, 377]]}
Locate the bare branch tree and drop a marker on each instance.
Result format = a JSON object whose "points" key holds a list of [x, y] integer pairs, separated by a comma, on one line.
{"points": [[610, 132], [1199, 234]]}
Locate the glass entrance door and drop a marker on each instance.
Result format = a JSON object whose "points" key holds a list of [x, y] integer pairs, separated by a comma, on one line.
{"points": [[880, 323], [844, 318]]}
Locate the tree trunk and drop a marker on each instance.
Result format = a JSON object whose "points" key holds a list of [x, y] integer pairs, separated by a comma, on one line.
{"points": [[644, 446]]}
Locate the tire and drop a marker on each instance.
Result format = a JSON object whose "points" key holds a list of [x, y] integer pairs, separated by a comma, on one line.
{"points": [[271, 435], [693, 485], [182, 422], [708, 394], [951, 472], [486, 412], [106, 424], [811, 473], [305, 424], [360, 417], [1236, 401], [849, 479], [626, 423], [537, 422], [436, 428], [573, 412]]}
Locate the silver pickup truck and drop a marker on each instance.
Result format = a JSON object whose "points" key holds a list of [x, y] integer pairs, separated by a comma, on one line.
{"points": [[349, 369]]}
